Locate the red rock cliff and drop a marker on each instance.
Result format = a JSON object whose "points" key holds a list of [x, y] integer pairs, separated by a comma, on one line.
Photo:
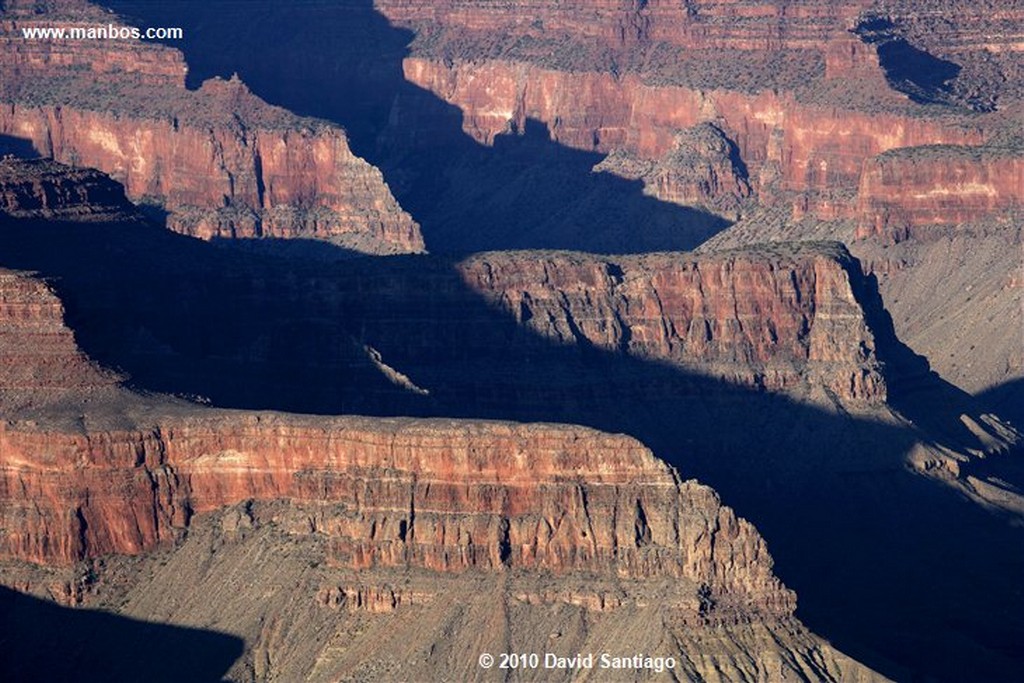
{"points": [[38, 353], [47, 190], [788, 322], [229, 179], [736, 24], [808, 146], [221, 161], [442, 495], [805, 97], [907, 192], [106, 60]]}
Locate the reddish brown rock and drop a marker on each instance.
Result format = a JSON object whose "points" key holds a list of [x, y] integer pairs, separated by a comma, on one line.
{"points": [[910, 191], [446, 496], [106, 59], [703, 169], [807, 146], [804, 136], [245, 177], [784, 321], [220, 161], [699, 25], [39, 359], [410, 515]]}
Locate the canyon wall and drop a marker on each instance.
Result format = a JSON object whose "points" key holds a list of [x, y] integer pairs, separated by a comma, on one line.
{"points": [[803, 145], [370, 522], [734, 24], [786, 322], [105, 60], [373, 527], [805, 142], [910, 192], [219, 161], [902, 126], [40, 357], [228, 179], [783, 319], [444, 496], [40, 189]]}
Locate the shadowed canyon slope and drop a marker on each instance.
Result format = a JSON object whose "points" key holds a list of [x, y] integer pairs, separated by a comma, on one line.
{"points": [[663, 347], [545, 531], [451, 99], [455, 517]]}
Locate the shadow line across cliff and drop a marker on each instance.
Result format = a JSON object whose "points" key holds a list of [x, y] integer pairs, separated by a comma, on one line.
{"points": [[895, 569], [342, 61], [40, 641], [19, 147]]}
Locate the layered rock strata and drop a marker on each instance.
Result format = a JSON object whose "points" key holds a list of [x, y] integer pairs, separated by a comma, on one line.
{"points": [[325, 623], [107, 60], [438, 495], [736, 24], [358, 518], [780, 138], [782, 321], [220, 161], [913, 192], [810, 134], [358, 522], [703, 169], [41, 360]]}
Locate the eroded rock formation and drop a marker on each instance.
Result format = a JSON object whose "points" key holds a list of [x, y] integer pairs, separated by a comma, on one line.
{"points": [[775, 370], [107, 60], [787, 322], [125, 500], [389, 518], [40, 356], [442, 496], [220, 161], [915, 191], [804, 145]]}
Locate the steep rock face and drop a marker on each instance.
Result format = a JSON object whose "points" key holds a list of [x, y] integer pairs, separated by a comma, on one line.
{"points": [[703, 169], [229, 179], [39, 353], [441, 496], [357, 519], [806, 134], [978, 53], [783, 319], [220, 161], [910, 191], [782, 322], [325, 623], [733, 24], [955, 294], [940, 227], [805, 146]]}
